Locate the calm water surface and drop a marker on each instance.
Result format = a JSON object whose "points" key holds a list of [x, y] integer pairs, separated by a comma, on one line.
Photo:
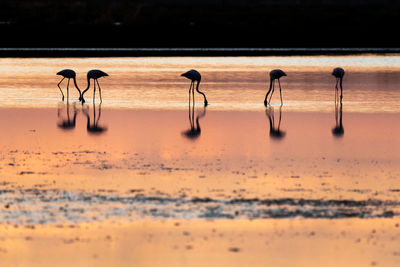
{"points": [[231, 83], [143, 153]]}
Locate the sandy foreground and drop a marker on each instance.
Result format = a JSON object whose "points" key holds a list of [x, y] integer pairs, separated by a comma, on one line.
{"points": [[286, 242]]}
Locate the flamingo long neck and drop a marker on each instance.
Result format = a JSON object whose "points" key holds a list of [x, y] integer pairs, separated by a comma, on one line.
{"points": [[87, 88], [270, 88], [77, 87], [197, 89]]}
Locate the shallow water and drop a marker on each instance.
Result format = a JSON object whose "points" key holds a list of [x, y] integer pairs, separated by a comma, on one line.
{"points": [[231, 83], [143, 153]]}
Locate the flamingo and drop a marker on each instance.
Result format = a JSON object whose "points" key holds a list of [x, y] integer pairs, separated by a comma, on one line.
{"points": [[69, 74], [338, 73], [194, 76], [274, 75], [94, 74]]}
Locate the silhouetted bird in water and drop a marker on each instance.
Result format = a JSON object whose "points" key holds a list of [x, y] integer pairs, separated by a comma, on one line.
{"points": [[94, 74], [69, 74], [338, 73], [274, 132], [195, 131], [94, 128], [66, 124], [274, 75], [195, 76]]}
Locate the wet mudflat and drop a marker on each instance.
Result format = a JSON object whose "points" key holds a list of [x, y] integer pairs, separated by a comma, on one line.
{"points": [[233, 183]]}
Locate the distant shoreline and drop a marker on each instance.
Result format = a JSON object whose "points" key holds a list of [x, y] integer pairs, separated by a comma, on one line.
{"points": [[150, 52]]}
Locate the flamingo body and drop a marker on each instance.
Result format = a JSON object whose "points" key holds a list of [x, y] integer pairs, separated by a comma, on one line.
{"points": [[192, 75], [276, 74], [67, 73], [95, 74], [338, 73]]}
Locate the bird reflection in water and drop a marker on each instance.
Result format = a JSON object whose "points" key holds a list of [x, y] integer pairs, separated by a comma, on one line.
{"points": [[94, 127], [195, 131], [66, 123], [274, 130]]}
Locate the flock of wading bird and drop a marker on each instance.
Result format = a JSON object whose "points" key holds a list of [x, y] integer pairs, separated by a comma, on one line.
{"points": [[195, 77]]}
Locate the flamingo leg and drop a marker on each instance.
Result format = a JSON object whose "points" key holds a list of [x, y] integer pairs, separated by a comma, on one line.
{"points": [[68, 90], [193, 94], [94, 91], [190, 88], [280, 91], [190, 118], [336, 114], [336, 90], [341, 90], [273, 89], [204, 95], [60, 88], [98, 85]]}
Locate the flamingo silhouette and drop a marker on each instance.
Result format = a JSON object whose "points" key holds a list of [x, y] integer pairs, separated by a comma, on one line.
{"points": [[94, 128], [94, 74], [274, 132], [274, 75], [194, 76], [69, 74], [338, 73], [67, 124]]}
